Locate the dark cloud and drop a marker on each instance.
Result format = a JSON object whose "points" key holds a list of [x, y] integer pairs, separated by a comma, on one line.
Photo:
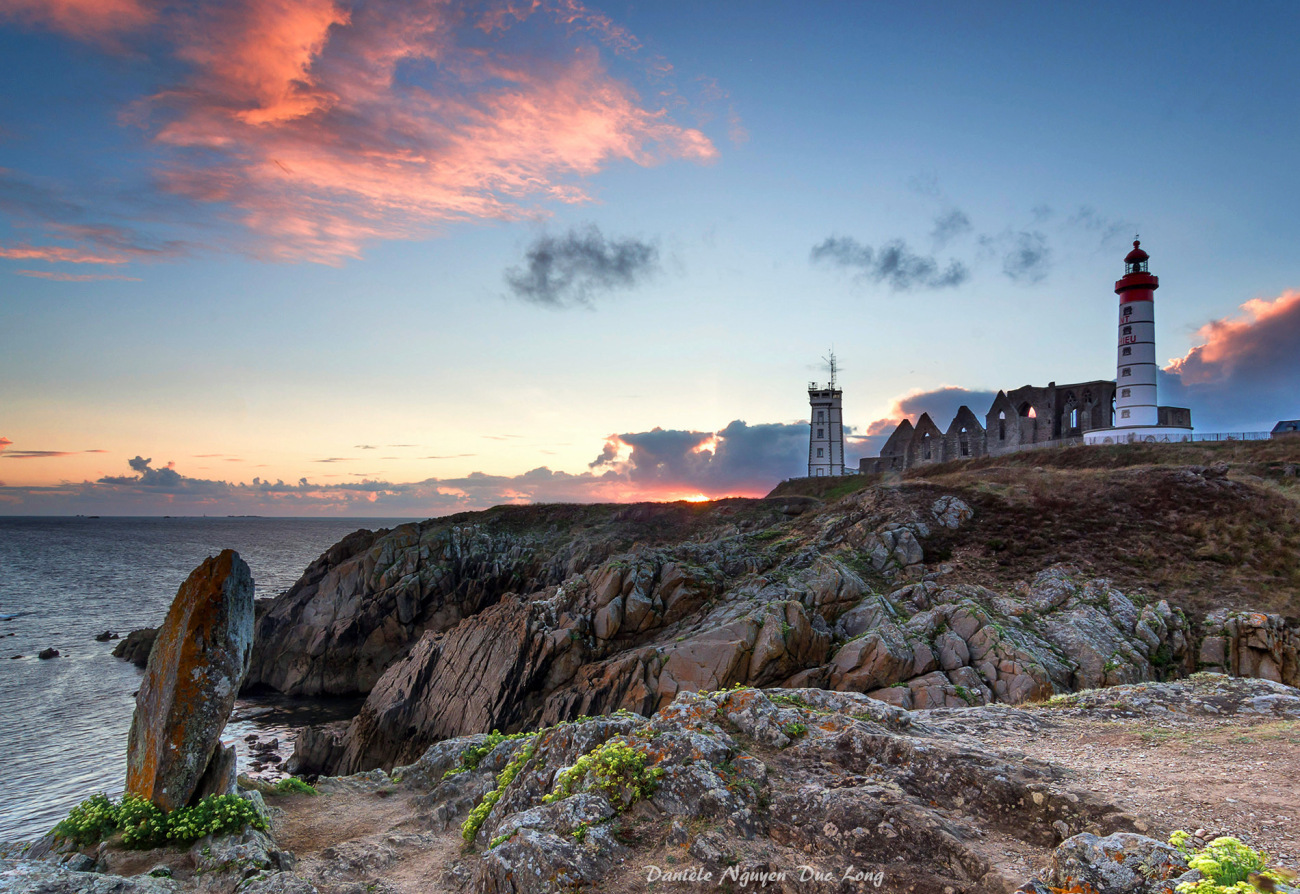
{"points": [[365, 447], [1244, 374], [1109, 230], [574, 269], [893, 263], [950, 226], [336, 459], [164, 479], [38, 454], [738, 458], [1026, 256]]}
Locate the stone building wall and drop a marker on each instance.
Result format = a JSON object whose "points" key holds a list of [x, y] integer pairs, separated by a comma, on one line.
{"points": [[1017, 419]]}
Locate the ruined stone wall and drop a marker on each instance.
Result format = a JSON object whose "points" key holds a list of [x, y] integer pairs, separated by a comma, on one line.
{"points": [[1017, 419]]}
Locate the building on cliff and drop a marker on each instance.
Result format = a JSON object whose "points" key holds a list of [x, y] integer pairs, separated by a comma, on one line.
{"points": [[825, 427], [1059, 415]]}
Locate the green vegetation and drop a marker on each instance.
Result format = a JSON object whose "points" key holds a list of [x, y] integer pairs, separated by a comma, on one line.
{"points": [[472, 756], [294, 785], [144, 825], [794, 730], [502, 839], [479, 814], [1227, 867], [792, 700], [580, 833], [616, 768]]}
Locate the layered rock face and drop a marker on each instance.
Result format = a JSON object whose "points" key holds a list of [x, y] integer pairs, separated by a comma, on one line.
{"points": [[370, 597], [194, 673], [532, 615], [794, 604], [1251, 644]]}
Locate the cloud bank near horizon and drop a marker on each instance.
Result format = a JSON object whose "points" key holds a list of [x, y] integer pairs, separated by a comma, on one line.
{"points": [[737, 460]]}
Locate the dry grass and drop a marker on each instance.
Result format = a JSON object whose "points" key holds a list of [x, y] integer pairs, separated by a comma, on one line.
{"points": [[1148, 516]]}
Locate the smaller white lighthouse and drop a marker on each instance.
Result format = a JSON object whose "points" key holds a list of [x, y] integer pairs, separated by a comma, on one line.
{"points": [[1137, 415], [825, 427]]}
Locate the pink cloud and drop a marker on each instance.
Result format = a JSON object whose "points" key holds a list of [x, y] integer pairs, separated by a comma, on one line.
{"points": [[1264, 335], [61, 254], [4, 442], [328, 127], [90, 20], [74, 277]]}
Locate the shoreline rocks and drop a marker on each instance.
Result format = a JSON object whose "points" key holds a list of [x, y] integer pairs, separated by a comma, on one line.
{"points": [[136, 645]]}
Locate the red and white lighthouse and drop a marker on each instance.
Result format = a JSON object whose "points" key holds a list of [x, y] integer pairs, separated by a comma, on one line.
{"points": [[1138, 417], [1135, 367]]}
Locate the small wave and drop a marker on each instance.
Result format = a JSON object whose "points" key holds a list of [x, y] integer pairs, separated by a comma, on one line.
{"points": [[7, 617]]}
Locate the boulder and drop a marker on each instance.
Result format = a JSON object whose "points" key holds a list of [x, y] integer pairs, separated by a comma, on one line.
{"points": [[136, 645], [194, 673], [1121, 863], [47, 654]]}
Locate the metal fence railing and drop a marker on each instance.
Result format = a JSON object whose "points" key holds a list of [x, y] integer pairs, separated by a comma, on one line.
{"points": [[1234, 436]]}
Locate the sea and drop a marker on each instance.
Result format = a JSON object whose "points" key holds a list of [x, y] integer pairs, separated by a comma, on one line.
{"points": [[64, 721]]}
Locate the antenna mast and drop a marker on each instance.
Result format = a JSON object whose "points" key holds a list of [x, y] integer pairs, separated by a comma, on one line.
{"points": [[830, 362]]}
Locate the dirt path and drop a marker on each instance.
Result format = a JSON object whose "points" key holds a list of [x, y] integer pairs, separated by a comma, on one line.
{"points": [[1239, 777], [371, 838]]}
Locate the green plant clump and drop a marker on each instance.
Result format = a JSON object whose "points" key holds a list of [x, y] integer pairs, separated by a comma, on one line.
{"points": [[794, 730], [1227, 866], [615, 768], [294, 785], [144, 825], [479, 814], [472, 756]]}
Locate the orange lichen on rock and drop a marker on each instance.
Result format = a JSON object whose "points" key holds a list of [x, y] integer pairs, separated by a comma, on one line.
{"points": [[195, 671]]}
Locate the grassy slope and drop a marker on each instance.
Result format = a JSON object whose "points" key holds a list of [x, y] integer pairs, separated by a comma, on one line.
{"points": [[1139, 514]]}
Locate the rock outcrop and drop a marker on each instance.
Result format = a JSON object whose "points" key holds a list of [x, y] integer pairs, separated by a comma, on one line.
{"points": [[634, 636], [754, 781], [368, 599], [1251, 644], [195, 670], [527, 616], [135, 646]]}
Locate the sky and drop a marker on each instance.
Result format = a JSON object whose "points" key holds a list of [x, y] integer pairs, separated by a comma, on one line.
{"points": [[408, 258]]}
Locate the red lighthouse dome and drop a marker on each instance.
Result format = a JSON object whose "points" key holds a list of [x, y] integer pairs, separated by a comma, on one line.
{"points": [[1137, 254]]}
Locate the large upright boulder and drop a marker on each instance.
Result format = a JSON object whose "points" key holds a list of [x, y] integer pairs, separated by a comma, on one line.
{"points": [[195, 669]]}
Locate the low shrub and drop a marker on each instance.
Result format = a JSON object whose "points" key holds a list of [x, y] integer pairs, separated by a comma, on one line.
{"points": [[294, 785], [615, 768], [144, 825], [1227, 866]]}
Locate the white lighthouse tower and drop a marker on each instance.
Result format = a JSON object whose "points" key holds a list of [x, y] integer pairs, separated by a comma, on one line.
{"points": [[1138, 417], [825, 427]]}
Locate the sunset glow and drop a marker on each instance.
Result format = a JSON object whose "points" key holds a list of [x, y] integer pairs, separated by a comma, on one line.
{"points": [[410, 258]]}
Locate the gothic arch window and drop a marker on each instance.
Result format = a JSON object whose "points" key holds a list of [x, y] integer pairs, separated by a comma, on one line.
{"points": [[925, 446], [1074, 417], [1002, 426]]}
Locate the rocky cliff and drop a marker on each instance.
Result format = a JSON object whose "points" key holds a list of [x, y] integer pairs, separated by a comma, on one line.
{"points": [[527, 616]]}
